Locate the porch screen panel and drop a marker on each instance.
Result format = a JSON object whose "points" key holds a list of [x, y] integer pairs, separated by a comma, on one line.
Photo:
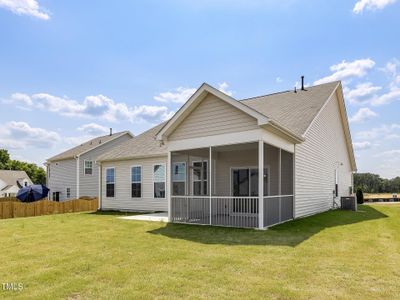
{"points": [[179, 178], [286, 173], [286, 208], [271, 211]]}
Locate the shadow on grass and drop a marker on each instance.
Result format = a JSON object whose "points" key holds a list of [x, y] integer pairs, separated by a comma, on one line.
{"points": [[288, 234], [113, 213]]}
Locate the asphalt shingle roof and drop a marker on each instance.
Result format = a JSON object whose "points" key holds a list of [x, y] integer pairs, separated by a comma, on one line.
{"points": [[294, 111], [11, 177], [144, 144], [87, 146]]}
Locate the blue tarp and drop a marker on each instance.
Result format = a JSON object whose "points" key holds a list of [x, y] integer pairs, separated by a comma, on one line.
{"points": [[32, 193]]}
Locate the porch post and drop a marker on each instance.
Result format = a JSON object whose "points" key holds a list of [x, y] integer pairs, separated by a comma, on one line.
{"points": [[210, 181], [169, 186], [280, 185], [260, 184]]}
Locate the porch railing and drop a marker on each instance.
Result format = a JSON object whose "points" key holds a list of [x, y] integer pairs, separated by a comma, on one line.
{"points": [[225, 211], [240, 212]]}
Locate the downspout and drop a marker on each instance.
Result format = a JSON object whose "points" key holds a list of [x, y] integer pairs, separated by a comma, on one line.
{"points": [[77, 177]]}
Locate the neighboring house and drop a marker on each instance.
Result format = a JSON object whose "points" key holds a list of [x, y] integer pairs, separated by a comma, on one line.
{"points": [[73, 174], [203, 165], [12, 181]]}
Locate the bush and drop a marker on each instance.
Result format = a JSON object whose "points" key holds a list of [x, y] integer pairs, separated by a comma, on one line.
{"points": [[360, 196]]}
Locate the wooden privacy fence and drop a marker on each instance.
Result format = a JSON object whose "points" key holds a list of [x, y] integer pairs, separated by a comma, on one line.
{"points": [[13, 209]]}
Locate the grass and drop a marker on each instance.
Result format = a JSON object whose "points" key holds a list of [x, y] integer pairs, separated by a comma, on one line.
{"points": [[337, 254]]}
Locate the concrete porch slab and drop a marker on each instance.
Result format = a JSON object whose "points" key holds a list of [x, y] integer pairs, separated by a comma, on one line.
{"points": [[155, 217]]}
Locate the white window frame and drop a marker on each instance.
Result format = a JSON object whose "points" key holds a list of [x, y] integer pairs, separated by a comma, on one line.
{"points": [[141, 181], [250, 168], [165, 180], [172, 177], [208, 175], [68, 192], [115, 179], [84, 167]]}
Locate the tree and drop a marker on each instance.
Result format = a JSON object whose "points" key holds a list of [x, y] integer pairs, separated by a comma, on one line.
{"points": [[360, 196], [4, 158]]}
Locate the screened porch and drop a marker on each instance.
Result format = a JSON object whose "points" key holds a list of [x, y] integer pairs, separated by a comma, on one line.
{"points": [[221, 185]]}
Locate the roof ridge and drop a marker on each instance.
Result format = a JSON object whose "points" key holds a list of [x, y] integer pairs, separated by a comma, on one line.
{"points": [[287, 91]]}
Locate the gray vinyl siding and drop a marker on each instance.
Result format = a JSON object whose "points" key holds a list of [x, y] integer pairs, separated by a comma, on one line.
{"points": [[62, 176], [89, 184], [316, 160], [211, 117], [123, 199]]}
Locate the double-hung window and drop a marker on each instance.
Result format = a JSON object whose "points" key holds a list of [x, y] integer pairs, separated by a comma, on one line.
{"points": [[159, 180], [88, 167], [200, 178], [110, 182], [68, 192], [179, 178], [136, 178]]}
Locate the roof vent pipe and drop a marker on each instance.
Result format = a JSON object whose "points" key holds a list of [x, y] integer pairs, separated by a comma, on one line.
{"points": [[110, 131], [302, 83]]}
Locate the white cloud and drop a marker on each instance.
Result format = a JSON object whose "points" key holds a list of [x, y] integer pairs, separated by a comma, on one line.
{"points": [[93, 129], [389, 153], [360, 92], [362, 115], [362, 145], [278, 80], [383, 132], [25, 7], [20, 135], [98, 106], [223, 87], [343, 70], [179, 95], [371, 5], [392, 95]]}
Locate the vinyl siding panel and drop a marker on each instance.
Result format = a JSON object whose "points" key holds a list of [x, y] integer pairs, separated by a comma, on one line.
{"points": [[123, 199], [62, 176], [89, 184], [316, 160], [211, 117]]}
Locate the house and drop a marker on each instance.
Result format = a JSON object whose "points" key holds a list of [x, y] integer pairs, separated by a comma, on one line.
{"points": [[73, 174], [12, 181], [203, 165]]}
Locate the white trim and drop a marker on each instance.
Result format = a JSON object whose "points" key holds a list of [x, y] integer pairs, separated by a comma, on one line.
{"points": [[209, 182], [141, 181], [261, 184], [115, 180], [249, 136], [172, 177], [84, 167], [165, 180], [169, 180], [100, 186], [195, 99], [77, 176]]}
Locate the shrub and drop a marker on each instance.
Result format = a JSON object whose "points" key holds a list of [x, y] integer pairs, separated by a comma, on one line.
{"points": [[360, 196]]}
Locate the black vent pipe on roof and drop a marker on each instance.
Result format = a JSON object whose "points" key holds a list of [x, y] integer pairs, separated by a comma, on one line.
{"points": [[110, 131], [302, 83]]}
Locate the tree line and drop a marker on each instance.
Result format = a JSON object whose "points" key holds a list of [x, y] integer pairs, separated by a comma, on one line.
{"points": [[36, 173], [373, 183]]}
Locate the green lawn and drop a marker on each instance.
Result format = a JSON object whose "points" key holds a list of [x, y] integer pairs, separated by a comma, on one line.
{"points": [[337, 254]]}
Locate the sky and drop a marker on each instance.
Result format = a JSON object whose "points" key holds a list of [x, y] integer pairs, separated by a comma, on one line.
{"points": [[70, 70]]}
